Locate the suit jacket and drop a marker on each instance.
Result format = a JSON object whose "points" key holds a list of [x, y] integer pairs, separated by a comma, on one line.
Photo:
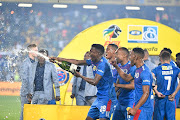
{"points": [[25, 74], [50, 78], [77, 83], [90, 90]]}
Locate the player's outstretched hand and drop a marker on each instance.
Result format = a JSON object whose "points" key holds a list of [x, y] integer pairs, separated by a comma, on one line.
{"points": [[52, 59], [171, 97], [77, 74], [160, 95]]}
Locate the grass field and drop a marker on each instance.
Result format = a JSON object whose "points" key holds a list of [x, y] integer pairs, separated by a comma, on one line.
{"points": [[10, 107]]}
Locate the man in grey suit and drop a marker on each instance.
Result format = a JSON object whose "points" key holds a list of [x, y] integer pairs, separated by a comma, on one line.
{"points": [[90, 90], [79, 88], [44, 75], [84, 92], [25, 74]]}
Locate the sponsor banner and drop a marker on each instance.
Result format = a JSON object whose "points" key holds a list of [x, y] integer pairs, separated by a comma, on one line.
{"points": [[127, 32], [142, 34], [10, 88]]}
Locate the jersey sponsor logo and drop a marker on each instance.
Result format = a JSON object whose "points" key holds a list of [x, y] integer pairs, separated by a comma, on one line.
{"points": [[100, 71], [63, 76], [94, 68], [146, 81], [166, 67], [142, 34], [167, 72]]}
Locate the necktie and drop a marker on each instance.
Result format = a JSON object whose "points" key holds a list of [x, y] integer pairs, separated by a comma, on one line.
{"points": [[83, 82]]}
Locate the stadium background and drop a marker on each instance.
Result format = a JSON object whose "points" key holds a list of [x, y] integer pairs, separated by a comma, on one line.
{"points": [[53, 29]]}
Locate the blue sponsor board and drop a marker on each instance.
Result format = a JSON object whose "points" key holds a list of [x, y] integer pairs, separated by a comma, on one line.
{"points": [[142, 34]]}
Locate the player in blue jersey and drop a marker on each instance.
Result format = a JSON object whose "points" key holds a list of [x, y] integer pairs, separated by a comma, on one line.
{"points": [[126, 97], [103, 106], [110, 54], [166, 79], [173, 64], [143, 108], [170, 52]]}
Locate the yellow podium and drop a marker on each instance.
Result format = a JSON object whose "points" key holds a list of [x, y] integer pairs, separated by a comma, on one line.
{"points": [[60, 112], [55, 112]]}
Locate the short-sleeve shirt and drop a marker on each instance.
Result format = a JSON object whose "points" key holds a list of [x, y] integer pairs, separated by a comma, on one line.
{"points": [[126, 96], [142, 76], [105, 87], [166, 78]]}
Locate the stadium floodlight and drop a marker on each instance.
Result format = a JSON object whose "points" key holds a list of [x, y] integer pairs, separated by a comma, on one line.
{"points": [[24, 5], [159, 8], [90, 6], [0, 4], [60, 6], [132, 8]]}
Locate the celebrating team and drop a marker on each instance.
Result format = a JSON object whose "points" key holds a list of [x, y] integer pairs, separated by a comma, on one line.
{"points": [[121, 73]]}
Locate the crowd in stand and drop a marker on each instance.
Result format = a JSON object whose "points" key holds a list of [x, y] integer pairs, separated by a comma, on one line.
{"points": [[53, 28]]}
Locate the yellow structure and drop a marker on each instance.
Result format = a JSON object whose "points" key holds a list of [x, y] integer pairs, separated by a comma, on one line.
{"points": [[59, 112], [128, 33], [134, 33]]}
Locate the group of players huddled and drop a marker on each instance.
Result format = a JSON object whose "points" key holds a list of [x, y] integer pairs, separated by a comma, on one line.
{"points": [[122, 73]]}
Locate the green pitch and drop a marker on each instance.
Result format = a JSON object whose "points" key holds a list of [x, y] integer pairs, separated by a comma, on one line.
{"points": [[10, 107]]}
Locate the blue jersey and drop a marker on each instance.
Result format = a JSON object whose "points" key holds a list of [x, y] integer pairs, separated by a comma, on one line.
{"points": [[166, 76], [105, 86], [126, 96], [142, 76], [114, 72]]}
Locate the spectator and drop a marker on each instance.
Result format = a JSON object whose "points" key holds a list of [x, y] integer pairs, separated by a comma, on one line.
{"points": [[147, 61]]}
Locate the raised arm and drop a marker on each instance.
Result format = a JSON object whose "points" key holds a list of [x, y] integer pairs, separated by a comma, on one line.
{"points": [[74, 61], [124, 76]]}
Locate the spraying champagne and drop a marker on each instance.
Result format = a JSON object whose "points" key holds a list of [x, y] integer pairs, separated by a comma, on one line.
{"points": [[68, 66]]}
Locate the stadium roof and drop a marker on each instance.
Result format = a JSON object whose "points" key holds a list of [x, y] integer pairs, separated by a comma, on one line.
{"points": [[120, 2]]}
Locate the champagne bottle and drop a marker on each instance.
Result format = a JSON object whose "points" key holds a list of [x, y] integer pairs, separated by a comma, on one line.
{"points": [[68, 66]]}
